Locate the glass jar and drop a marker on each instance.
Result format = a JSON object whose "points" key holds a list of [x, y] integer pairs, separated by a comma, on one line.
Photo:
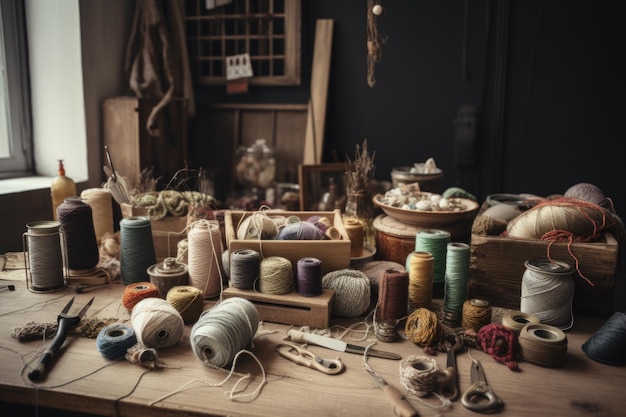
{"points": [[256, 166]]}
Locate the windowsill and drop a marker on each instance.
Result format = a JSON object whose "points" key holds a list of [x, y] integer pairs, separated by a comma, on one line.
{"points": [[18, 185]]}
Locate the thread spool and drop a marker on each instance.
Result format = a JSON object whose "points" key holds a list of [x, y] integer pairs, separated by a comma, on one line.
{"points": [[352, 292], [223, 330], [421, 269], [548, 291], [516, 320], [244, 268], [205, 257], [607, 344], [101, 203], [76, 221], [434, 242], [419, 374], [354, 229], [476, 314], [309, 277], [393, 295], [157, 324], [188, 301], [136, 292], [422, 327], [543, 345], [136, 249], [333, 233], [114, 340], [456, 282], [275, 275], [45, 259], [167, 275]]}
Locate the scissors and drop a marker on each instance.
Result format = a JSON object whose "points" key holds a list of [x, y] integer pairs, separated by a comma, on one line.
{"points": [[479, 397], [305, 358], [448, 386]]}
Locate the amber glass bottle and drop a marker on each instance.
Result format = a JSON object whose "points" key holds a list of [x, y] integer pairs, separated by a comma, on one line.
{"points": [[61, 188]]}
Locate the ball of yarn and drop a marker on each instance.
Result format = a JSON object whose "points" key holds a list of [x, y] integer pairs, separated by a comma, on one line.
{"points": [[187, 300], [423, 328], [134, 293], [223, 330], [500, 343], [607, 344], [113, 341], [352, 292], [587, 192], [300, 231], [495, 219], [419, 374], [257, 226], [157, 324]]}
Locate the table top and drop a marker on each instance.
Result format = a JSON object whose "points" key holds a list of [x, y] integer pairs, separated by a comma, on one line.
{"points": [[81, 379]]}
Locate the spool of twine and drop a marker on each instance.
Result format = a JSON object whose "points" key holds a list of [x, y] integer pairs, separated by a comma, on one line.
{"points": [[182, 252], [543, 345], [309, 276], [300, 231], [419, 374], [223, 330], [101, 203], [456, 282], [257, 226], [476, 314], [275, 275], [393, 295], [421, 269], [114, 340], [136, 292], [205, 257], [157, 324], [423, 328], [607, 344], [500, 343], [76, 221], [136, 249], [352, 292], [44, 248], [516, 320], [356, 234], [244, 268], [434, 242], [188, 301]]}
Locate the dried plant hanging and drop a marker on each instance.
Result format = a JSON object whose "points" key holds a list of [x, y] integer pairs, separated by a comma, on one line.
{"points": [[374, 40], [361, 169]]}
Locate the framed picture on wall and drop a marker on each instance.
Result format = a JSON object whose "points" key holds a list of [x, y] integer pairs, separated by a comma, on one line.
{"points": [[322, 187]]}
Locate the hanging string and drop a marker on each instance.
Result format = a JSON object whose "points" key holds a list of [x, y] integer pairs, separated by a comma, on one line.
{"points": [[456, 281], [434, 242], [309, 277], [548, 292], [420, 267], [374, 40], [136, 249], [224, 330], [276, 275], [500, 343], [205, 257], [244, 268], [393, 295], [101, 203], [136, 292], [188, 301], [114, 340], [543, 345], [76, 221], [157, 324], [607, 344], [476, 314], [352, 290], [43, 253], [423, 328]]}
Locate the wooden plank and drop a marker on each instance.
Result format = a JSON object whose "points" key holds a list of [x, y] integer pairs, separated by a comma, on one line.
{"points": [[120, 132], [316, 120], [291, 308]]}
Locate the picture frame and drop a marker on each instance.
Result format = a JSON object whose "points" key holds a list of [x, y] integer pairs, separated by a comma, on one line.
{"points": [[315, 186]]}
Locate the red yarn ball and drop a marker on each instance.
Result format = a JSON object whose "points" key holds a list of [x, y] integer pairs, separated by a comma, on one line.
{"points": [[500, 343]]}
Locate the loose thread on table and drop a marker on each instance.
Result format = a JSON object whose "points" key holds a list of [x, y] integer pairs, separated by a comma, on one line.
{"points": [[157, 323], [393, 295], [456, 276], [136, 249], [434, 242], [421, 267], [244, 268], [276, 275], [309, 276], [76, 221], [205, 249], [44, 245]]}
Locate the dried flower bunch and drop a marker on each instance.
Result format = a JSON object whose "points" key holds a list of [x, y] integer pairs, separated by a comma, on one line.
{"points": [[361, 170]]}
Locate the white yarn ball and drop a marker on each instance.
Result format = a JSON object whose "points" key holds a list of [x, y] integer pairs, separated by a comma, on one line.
{"points": [[157, 323]]}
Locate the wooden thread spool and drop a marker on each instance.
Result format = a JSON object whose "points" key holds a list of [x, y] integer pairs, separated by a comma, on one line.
{"points": [[354, 228]]}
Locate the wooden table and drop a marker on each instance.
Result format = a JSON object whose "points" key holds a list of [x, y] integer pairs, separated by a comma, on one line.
{"points": [[82, 380]]}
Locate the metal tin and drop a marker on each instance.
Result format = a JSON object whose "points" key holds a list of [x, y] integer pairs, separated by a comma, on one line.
{"points": [[168, 274]]}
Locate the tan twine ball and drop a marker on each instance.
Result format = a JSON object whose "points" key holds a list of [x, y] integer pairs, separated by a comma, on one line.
{"points": [[188, 301]]}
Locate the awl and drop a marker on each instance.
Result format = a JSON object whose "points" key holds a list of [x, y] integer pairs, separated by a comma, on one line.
{"points": [[401, 407], [338, 345]]}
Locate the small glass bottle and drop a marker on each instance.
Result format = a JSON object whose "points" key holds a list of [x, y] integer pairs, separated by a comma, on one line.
{"points": [[61, 188]]}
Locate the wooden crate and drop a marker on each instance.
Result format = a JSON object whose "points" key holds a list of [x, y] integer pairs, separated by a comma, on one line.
{"points": [[497, 267], [334, 254]]}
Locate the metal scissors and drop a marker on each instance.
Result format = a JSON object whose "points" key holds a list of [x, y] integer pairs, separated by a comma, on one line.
{"points": [[479, 397], [304, 357], [449, 385]]}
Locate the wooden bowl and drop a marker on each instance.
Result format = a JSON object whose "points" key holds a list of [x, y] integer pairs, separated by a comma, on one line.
{"points": [[429, 218]]}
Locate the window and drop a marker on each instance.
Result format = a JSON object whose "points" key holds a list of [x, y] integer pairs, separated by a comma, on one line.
{"points": [[268, 30], [15, 132]]}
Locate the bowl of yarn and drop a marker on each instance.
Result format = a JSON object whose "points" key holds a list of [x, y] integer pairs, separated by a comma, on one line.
{"points": [[409, 205]]}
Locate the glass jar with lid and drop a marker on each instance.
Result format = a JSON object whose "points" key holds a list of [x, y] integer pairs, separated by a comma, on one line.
{"points": [[256, 165]]}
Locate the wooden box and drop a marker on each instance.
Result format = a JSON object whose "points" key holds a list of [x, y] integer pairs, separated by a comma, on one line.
{"points": [[166, 232], [497, 267], [334, 254]]}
